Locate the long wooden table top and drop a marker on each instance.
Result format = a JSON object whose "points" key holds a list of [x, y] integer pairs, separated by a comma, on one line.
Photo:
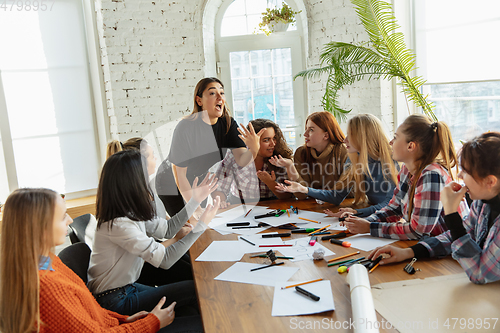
{"points": [[239, 307]]}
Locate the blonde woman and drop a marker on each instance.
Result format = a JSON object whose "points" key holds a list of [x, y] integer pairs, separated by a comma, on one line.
{"points": [[370, 173], [37, 291]]}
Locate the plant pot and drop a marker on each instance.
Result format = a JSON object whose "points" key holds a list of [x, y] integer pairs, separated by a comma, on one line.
{"points": [[278, 26]]}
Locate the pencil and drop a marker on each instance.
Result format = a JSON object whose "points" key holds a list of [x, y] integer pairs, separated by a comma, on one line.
{"points": [[344, 261], [248, 213], [301, 218], [288, 213], [315, 231], [371, 270], [342, 257], [299, 284], [246, 240]]}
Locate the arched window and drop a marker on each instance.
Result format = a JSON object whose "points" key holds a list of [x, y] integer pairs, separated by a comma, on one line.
{"points": [[257, 70]]}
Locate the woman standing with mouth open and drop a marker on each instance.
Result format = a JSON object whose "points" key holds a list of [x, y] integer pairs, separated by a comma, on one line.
{"points": [[201, 140]]}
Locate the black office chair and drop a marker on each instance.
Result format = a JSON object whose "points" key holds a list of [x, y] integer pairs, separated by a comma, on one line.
{"points": [[77, 257], [77, 228]]}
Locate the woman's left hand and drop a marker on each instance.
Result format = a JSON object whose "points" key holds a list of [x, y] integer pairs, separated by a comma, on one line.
{"points": [[266, 177], [186, 229], [356, 225], [136, 316], [281, 162], [250, 138]]}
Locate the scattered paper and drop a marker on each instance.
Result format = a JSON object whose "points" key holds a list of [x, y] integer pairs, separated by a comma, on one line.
{"points": [[301, 250], [240, 272], [366, 242], [222, 251], [289, 302]]}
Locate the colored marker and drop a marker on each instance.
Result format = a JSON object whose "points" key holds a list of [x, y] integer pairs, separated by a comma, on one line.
{"points": [[286, 234], [339, 242], [237, 224], [304, 231], [307, 293], [246, 240], [282, 245], [338, 235], [312, 241], [345, 261], [250, 227]]}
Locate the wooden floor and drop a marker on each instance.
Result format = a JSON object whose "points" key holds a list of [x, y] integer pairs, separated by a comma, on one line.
{"points": [[238, 307]]}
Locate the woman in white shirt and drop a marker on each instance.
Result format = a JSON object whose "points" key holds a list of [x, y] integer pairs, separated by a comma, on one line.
{"points": [[125, 238]]}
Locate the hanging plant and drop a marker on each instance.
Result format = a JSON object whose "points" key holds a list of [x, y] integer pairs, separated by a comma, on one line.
{"points": [[275, 20], [385, 56]]}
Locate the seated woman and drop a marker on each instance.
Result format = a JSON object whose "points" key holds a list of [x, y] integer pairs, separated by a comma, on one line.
{"points": [[318, 163], [255, 181], [370, 173], [428, 155], [125, 238], [474, 241], [37, 291], [151, 275]]}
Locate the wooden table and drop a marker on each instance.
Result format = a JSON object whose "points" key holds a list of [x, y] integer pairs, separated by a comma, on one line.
{"points": [[239, 307]]}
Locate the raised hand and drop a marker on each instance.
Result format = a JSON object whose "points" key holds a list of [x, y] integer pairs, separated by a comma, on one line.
{"points": [[332, 214], [397, 254], [210, 211], [279, 161], [167, 315], [250, 138], [223, 199], [207, 186], [266, 177], [293, 187]]}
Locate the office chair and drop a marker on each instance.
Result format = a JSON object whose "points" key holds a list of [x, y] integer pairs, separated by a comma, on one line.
{"points": [[77, 257], [77, 228]]}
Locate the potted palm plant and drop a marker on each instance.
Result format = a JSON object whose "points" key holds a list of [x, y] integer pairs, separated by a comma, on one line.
{"points": [[385, 56], [277, 20]]}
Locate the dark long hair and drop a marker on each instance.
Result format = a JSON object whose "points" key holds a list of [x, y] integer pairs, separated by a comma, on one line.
{"points": [[436, 145], [124, 189], [327, 122], [198, 92]]}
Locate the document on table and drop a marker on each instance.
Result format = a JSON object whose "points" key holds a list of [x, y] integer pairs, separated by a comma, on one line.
{"points": [[222, 251], [240, 272], [289, 302], [301, 250], [258, 240], [366, 242]]}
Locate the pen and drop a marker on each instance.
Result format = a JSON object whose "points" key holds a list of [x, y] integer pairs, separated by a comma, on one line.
{"points": [[282, 245], [299, 284], [276, 264], [248, 213], [338, 235], [301, 218], [311, 233], [374, 262], [246, 240], [250, 227], [286, 234], [322, 233], [265, 256], [339, 242], [307, 294], [312, 241], [344, 256], [237, 224], [342, 219]]}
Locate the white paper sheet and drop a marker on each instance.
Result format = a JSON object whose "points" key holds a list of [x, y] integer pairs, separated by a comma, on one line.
{"points": [[301, 250], [294, 218], [225, 230], [222, 251], [258, 240], [237, 214], [240, 272], [366, 242], [289, 302]]}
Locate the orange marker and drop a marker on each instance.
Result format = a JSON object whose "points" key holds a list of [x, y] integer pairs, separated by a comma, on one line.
{"points": [[340, 242]]}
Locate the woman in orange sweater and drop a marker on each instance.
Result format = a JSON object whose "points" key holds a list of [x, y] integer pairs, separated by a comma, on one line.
{"points": [[37, 291]]}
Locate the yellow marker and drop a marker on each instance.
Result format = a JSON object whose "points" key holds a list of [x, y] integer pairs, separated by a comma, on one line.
{"points": [[342, 269]]}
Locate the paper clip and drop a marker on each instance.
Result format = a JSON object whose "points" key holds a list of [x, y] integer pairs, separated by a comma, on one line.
{"points": [[409, 267]]}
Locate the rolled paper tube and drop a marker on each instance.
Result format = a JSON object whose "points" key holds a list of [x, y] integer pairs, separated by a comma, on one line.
{"points": [[363, 310]]}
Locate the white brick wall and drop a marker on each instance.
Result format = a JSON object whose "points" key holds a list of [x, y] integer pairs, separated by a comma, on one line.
{"points": [[153, 56]]}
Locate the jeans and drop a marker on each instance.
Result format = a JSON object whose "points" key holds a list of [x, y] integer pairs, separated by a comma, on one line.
{"points": [[136, 297]]}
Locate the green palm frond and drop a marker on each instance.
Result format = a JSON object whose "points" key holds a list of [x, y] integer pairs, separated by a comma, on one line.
{"points": [[386, 56]]}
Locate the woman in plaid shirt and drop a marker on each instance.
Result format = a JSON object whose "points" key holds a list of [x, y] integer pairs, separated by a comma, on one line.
{"points": [[256, 180], [427, 151]]}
